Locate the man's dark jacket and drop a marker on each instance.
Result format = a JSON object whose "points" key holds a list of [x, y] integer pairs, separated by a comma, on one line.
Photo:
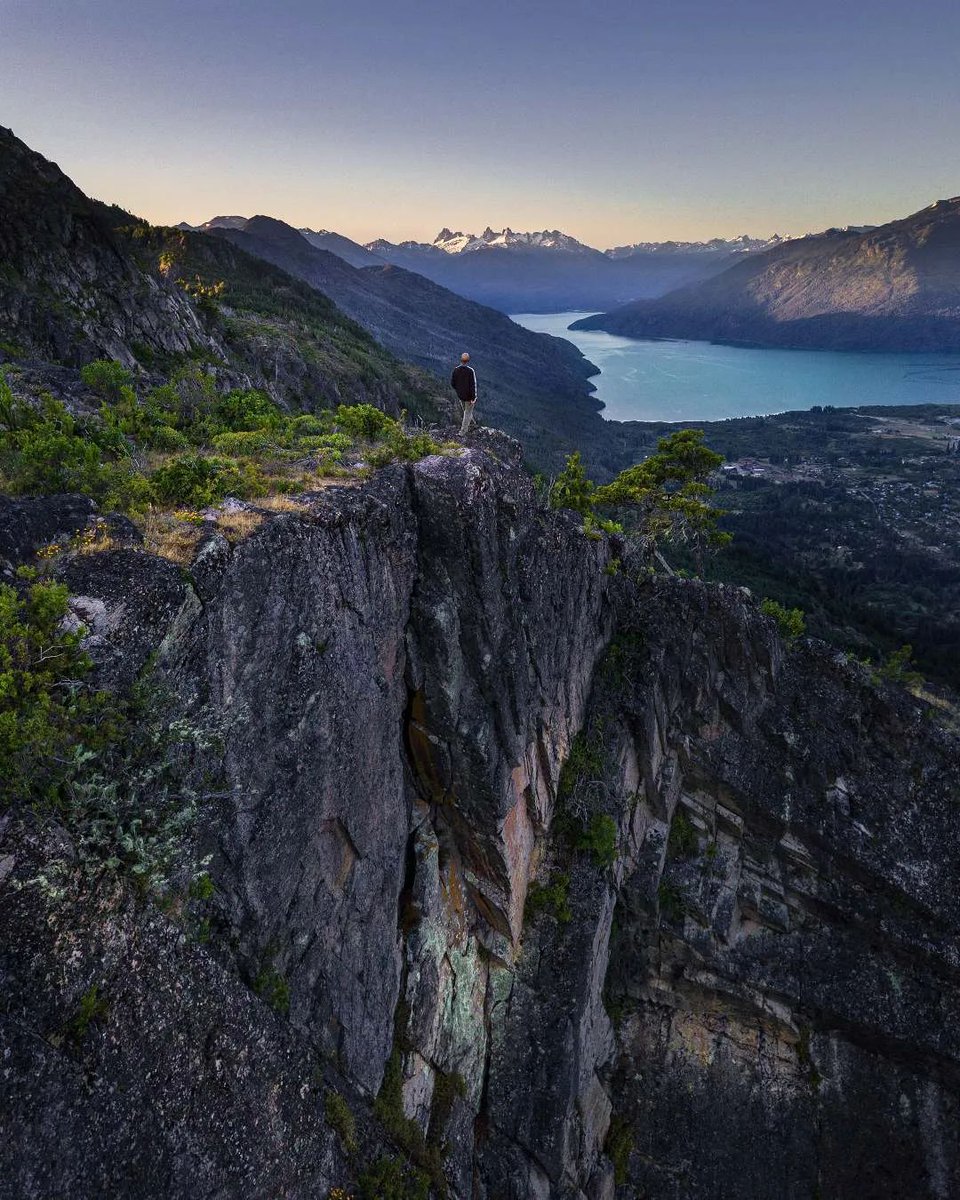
{"points": [[464, 383]]}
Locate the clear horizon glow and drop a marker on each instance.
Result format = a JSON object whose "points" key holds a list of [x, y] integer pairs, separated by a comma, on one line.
{"points": [[615, 122]]}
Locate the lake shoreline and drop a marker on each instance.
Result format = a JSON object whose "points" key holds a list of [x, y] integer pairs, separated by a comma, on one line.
{"points": [[674, 380]]}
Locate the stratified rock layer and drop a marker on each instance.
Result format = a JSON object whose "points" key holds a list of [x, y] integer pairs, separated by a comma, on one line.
{"points": [[714, 956]]}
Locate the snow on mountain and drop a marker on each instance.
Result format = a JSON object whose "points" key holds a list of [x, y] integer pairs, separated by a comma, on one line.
{"points": [[546, 239], [744, 244], [224, 223]]}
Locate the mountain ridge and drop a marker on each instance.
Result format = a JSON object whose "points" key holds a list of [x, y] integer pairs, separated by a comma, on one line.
{"points": [[892, 287]]}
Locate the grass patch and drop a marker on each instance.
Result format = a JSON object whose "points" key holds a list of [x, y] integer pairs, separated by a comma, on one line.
{"points": [[618, 1146], [175, 536], [341, 1119]]}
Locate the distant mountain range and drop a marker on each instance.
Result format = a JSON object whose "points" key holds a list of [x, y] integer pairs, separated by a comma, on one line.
{"points": [[744, 244], [549, 271], [541, 271], [889, 287]]}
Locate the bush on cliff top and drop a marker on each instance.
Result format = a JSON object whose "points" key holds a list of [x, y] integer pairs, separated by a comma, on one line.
{"points": [[184, 444], [790, 621]]}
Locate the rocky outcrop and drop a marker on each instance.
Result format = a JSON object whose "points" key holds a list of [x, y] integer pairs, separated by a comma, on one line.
{"points": [[600, 886]]}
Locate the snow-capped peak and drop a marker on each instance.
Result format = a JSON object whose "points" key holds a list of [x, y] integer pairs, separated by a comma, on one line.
{"points": [[506, 238], [744, 244]]}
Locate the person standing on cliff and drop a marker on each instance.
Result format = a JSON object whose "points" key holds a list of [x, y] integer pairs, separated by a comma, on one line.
{"points": [[464, 383]]}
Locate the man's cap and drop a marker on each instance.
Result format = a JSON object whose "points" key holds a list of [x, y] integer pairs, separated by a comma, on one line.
{"points": [[464, 357]]}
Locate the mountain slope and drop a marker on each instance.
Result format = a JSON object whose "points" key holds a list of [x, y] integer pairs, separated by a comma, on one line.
{"points": [[896, 287], [69, 288], [529, 382], [350, 251], [80, 281]]}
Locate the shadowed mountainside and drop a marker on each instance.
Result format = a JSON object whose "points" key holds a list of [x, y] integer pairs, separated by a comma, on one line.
{"points": [[81, 281]]}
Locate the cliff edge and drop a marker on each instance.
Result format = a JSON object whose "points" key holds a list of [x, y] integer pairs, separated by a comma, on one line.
{"points": [[532, 873]]}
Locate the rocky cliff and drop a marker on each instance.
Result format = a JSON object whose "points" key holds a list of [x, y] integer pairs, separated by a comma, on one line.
{"points": [[569, 880]]}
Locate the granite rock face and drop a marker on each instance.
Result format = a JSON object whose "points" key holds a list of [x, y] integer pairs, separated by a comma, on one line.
{"points": [[612, 893]]}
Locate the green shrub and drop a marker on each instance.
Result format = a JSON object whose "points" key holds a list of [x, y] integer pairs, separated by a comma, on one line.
{"points": [[195, 480], [246, 410], [671, 901], [124, 489], [189, 481], [790, 621], [364, 421], [247, 443], [415, 446], [107, 378], [43, 451], [311, 424], [93, 1007], [329, 447], [46, 710], [599, 838], [897, 668], [272, 986], [583, 764], [202, 888], [121, 777], [552, 897], [572, 489], [683, 840], [165, 438], [393, 1179], [130, 808], [405, 1131]]}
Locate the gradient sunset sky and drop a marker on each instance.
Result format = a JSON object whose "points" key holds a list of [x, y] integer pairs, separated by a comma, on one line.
{"points": [[615, 121]]}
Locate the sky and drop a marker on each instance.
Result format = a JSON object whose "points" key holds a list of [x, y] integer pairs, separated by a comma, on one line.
{"points": [[616, 121]]}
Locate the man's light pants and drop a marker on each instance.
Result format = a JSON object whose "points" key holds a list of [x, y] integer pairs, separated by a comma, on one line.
{"points": [[467, 416]]}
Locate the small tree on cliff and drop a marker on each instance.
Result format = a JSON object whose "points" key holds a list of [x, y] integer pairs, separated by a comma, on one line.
{"points": [[668, 492], [572, 488]]}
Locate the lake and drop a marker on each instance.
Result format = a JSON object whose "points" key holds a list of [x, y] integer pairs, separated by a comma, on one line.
{"points": [[698, 381]]}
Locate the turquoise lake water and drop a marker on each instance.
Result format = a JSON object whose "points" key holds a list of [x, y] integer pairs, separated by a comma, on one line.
{"points": [[697, 381]]}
